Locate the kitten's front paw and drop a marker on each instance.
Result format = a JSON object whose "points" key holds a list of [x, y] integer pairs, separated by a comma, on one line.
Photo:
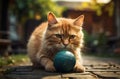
{"points": [[49, 66], [79, 68]]}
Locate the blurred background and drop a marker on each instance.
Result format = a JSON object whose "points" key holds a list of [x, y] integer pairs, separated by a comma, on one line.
{"points": [[18, 19]]}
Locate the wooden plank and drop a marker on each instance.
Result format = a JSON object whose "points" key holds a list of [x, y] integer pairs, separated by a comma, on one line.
{"points": [[27, 72], [93, 71], [108, 74], [103, 70], [5, 41], [13, 76], [85, 75]]}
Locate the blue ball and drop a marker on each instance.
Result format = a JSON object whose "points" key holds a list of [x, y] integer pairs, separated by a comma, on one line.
{"points": [[64, 61]]}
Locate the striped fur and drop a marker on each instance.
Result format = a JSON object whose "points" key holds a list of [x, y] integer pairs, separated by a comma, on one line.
{"points": [[54, 35]]}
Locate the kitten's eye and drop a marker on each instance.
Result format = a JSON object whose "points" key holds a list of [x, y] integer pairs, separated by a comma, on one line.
{"points": [[58, 35], [72, 36]]}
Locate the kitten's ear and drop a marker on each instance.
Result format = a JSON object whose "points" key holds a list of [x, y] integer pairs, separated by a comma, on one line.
{"points": [[51, 18], [79, 20]]}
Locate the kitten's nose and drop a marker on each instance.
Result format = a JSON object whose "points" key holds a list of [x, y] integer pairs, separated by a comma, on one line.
{"points": [[65, 43]]}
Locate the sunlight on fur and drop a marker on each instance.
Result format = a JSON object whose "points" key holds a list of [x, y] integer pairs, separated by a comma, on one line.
{"points": [[54, 35]]}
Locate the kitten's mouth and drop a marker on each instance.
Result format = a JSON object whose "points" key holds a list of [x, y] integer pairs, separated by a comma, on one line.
{"points": [[67, 48]]}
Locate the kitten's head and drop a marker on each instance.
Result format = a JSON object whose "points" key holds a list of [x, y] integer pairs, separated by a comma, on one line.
{"points": [[63, 33]]}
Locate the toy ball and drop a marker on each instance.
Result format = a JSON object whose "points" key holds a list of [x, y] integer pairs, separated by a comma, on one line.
{"points": [[64, 61]]}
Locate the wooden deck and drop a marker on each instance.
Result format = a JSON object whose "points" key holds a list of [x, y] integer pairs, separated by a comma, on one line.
{"points": [[96, 68]]}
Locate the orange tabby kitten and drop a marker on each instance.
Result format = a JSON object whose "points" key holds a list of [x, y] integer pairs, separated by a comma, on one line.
{"points": [[53, 36]]}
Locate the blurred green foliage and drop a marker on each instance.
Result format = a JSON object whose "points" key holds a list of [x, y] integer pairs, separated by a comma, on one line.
{"points": [[13, 60], [26, 9], [97, 44], [98, 7]]}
